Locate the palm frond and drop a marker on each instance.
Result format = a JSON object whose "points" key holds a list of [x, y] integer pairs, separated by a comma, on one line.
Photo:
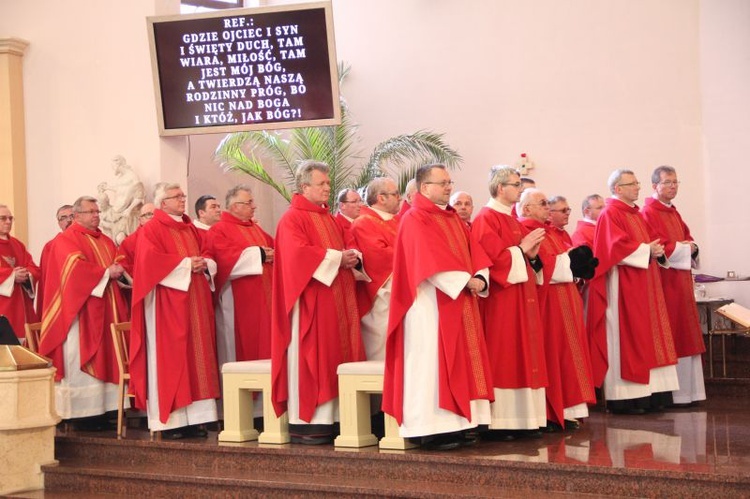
{"points": [[231, 153], [414, 149]]}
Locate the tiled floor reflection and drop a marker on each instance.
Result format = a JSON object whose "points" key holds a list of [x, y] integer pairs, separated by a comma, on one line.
{"points": [[713, 438]]}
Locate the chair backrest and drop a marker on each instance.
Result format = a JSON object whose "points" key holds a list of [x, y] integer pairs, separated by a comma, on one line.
{"points": [[120, 338], [33, 330]]}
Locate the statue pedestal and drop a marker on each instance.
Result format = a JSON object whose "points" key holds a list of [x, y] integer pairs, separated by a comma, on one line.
{"points": [[27, 428]]}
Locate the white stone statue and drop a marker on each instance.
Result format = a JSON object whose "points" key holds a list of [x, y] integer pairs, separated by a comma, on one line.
{"points": [[120, 201]]}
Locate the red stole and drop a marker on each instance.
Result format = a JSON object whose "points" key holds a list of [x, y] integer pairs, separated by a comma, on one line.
{"points": [[225, 242], [431, 240], [185, 336], [18, 307], [511, 313], [76, 263], [375, 238], [584, 234], [645, 335], [667, 223], [329, 332]]}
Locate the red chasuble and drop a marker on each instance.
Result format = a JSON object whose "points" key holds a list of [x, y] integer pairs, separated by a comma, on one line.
{"points": [[645, 335], [511, 315], [431, 240], [186, 362], [584, 234], [667, 223], [375, 238], [329, 332], [18, 307], [225, 242], [565, 346], [126, 252], [77, 262], [405, 206], [562, 235], [43, 262]]}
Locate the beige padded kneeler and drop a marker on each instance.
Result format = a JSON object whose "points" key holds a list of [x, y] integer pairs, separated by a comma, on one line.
{"points": [[357, 380], [240, 381]]}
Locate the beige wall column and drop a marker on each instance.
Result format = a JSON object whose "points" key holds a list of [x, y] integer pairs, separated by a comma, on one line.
{"points": [[12, 134]]}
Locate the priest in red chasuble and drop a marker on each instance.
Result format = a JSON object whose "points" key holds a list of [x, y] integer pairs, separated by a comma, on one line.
{"points": [[18, 277], [591, 207], [126, 250], [438, 381], [64, 216], [349, 205], [82, 298], [677, 282], [632, 350], [374, 234], [566, 351], [511, 314], [243, 252], [174, 372], [315, 325]]}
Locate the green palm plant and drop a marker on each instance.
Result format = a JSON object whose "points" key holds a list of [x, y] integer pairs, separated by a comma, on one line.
{"points": [[397, 157]]}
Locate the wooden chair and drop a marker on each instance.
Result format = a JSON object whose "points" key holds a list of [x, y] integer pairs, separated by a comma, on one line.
{"points": [[33, 330], [119, 331]]}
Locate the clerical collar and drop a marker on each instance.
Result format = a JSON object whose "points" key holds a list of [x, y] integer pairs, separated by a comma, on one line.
{"points": [[496, 205], [588, 220], [383, 214], [656, 196], [196, 222]]}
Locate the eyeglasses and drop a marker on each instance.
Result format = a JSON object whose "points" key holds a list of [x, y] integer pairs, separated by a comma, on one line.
{"points": [[397, 194], [563, 210], [65, 217], [147, 215], [247, 203], [7, 218], [356, 201], [443, 184], [514, 184], [638, 184], [90, 212], [180, 197], [670, 183], [543, 202]]}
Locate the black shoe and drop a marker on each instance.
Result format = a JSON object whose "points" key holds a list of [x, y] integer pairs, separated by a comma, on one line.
{"points": [[195, 431], [532, 433], [444, 441], [96, 423], [174, 434], [311, 439], [213, 426], [552, 427], [468, 438], [498, 436], [572, 424]]}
